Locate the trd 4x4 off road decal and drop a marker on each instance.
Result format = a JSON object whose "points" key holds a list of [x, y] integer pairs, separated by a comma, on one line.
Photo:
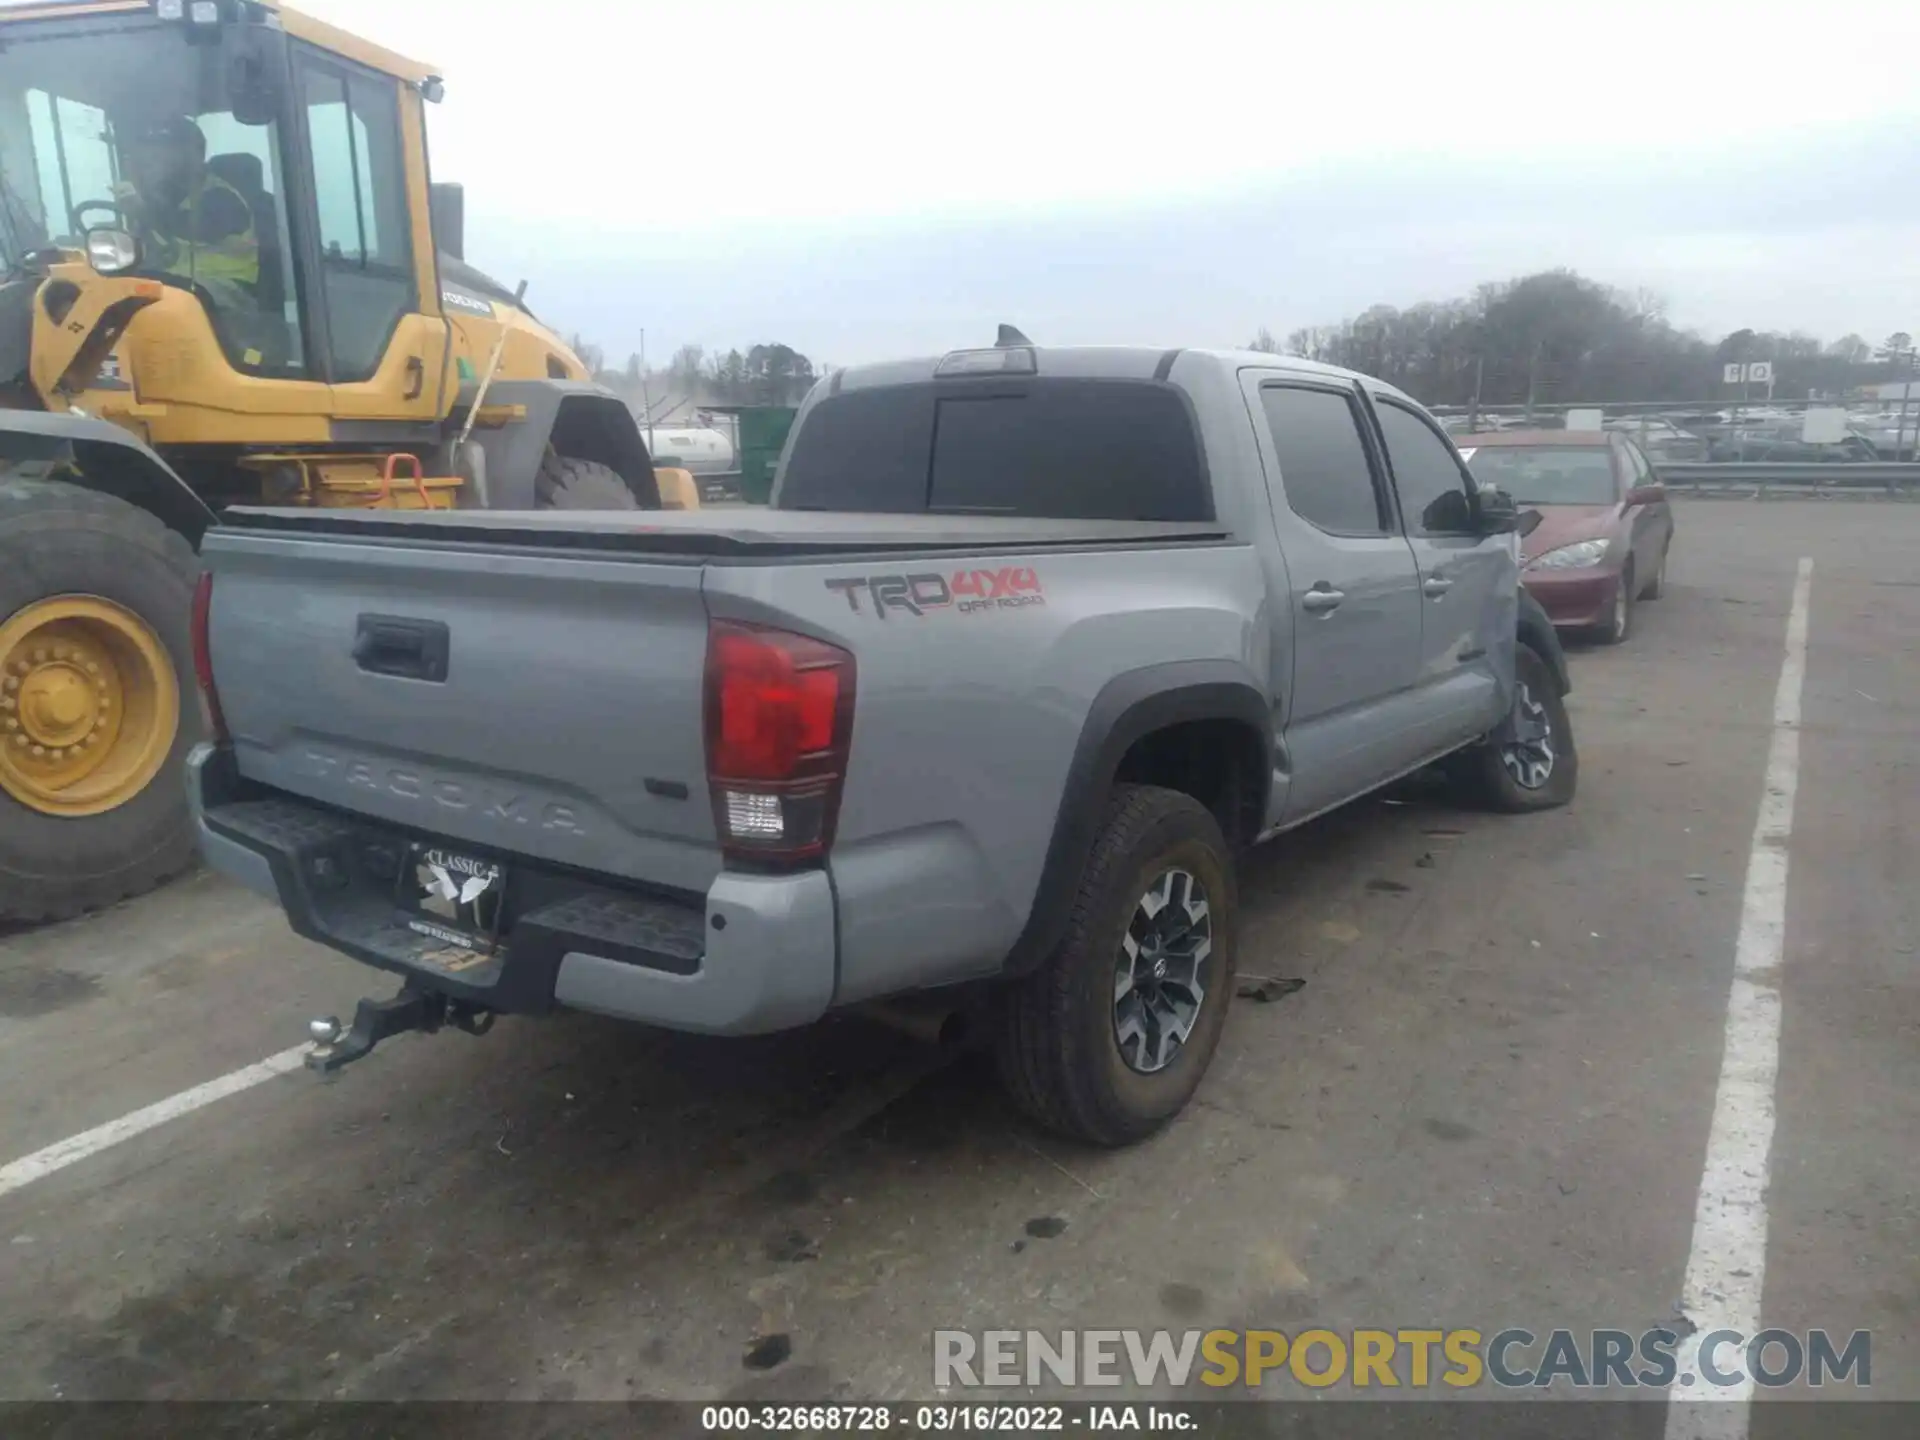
{"points": [[971, 592]]}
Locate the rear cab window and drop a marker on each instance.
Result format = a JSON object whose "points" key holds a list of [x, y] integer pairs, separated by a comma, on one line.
{"points": [[1038, 448]]}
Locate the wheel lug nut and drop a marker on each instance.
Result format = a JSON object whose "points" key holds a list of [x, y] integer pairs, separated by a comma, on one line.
{"points": [[11, 683], [39, 654], [39, 752], [60, 652], [93, 667]]}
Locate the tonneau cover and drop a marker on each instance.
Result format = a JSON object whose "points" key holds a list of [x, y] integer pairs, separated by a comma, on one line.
{"points": [[745, 532]]}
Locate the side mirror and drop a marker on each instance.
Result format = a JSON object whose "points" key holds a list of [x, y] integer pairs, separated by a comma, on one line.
{"points": [[1495, 512], [1654, 494], [255, 70], [447, 204]]}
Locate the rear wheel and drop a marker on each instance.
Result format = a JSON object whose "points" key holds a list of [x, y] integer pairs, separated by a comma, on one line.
{"points": [[95, 596], [568, 484], [1108, 1040]]}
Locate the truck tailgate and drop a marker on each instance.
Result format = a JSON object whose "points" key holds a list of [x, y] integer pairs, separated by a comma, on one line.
{"points": [[520, 701]]}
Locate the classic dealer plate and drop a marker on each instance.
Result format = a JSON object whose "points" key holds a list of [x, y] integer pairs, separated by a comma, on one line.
{"points": [[452, 897]]}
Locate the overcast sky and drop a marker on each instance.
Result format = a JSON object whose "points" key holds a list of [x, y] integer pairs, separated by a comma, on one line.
{"points": [[863, 179]]}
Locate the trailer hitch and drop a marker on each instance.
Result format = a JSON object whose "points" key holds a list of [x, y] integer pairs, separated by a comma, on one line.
{"points": [[377, 1020]]}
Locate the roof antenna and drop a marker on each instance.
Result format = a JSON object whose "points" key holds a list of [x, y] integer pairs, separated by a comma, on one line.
{"points": [[1009, 336]]}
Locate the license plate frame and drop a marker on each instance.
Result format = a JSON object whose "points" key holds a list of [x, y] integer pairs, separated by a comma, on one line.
{"points": [[451, 896]]}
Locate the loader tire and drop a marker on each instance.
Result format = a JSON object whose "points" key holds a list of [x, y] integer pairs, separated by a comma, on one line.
{"points": [[568, 484], [98, 709], [1109, 1038]]}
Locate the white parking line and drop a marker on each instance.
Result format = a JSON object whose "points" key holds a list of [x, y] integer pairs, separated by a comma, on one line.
{"points": [[58, 1156], [1726, 1269]]}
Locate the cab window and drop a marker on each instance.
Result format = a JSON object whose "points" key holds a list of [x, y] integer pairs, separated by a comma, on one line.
{"points": [[121, 131]]}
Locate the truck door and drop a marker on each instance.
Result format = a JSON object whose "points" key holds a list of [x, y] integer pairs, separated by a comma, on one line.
{"points": [[1468, 582], [1354, 591], [381, 339]]}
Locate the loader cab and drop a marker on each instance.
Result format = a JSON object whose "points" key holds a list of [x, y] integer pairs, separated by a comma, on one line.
{"points": [[258, 164]]}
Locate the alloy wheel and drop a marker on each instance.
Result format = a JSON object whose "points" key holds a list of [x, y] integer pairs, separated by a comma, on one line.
{"points": [[1161, 971], [1527, 753]]}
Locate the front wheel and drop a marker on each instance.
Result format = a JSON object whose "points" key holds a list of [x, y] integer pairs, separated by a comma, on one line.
{"points": [[1529, 763], [1619, 622], [95, 720], [1658, 586], [1109, 1038]]}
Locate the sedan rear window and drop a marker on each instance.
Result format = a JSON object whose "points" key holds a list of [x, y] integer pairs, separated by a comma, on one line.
{"points": [[1042, 449], [1547, 474]]}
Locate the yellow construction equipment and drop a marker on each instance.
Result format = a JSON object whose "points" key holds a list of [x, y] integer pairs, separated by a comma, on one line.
{"points": [[226, 277]]}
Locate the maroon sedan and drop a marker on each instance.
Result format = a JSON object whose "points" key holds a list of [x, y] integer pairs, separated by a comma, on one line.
{"points": [[1605, 525]]}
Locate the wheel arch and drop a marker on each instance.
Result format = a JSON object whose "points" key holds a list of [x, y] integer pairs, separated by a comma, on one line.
{"points": [[1173, 708], [579, 419], [97, 455]]}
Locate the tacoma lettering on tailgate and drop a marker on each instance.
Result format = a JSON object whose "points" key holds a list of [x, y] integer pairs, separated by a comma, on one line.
{"points": [[466, 796], [971, 592]]}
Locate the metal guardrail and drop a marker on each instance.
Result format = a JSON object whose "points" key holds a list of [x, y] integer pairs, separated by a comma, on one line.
{"points": [[1862, 475]]}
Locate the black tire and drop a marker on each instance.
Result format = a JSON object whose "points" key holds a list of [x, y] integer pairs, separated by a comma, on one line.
{"points": [[1658, 585], [568, 484], [1057, 1043], [1619, 622], [1484, 769], [61, 539]]}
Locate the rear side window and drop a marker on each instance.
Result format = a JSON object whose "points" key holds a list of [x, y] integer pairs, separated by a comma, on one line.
{"points": [[1055, 449], [1325, 476]]}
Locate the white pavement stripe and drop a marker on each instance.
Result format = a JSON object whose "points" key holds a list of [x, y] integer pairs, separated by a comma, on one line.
{"points": [[1726, 1270], [58, 1156]]}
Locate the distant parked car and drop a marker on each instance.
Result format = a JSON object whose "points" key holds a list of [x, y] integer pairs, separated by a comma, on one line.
{"points": [[1661, 439], [1786, 447], [1605, 526]]}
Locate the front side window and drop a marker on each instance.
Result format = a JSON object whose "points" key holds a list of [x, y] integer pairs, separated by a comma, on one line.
{"points": [[1433, 491], [360, 199], [130, 129]]}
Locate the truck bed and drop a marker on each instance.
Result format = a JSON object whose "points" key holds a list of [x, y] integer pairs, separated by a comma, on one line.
{"points": [[746, 533]]}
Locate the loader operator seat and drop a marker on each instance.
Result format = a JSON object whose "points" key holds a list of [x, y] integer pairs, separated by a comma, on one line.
{"points": [[245, 174]]}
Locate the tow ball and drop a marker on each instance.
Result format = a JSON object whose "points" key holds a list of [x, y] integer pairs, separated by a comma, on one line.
{"points": [[377, 1020]]}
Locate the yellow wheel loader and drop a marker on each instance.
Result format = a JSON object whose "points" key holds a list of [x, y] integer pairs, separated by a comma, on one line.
{"points": [[226, 277]]}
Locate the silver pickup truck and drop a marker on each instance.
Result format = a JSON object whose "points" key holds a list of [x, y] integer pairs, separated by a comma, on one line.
{"points": [[1030, 642]]}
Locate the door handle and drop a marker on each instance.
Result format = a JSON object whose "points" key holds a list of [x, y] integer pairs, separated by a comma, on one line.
{"points": [[1434, 586], [416, 377], [1322, 599], [401, 646]]}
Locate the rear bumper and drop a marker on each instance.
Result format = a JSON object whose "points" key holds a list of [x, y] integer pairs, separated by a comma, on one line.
{"points": [[1574, 598], [756, 953]]}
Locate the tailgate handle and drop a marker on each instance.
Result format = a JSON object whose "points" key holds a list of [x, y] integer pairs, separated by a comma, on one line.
{"points": [[396, 645]]}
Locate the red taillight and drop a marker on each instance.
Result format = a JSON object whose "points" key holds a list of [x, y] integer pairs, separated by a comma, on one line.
{"points": [[203, 657], [779, 722]]}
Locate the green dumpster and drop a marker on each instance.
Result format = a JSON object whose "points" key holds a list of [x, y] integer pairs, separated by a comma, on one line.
{"points": [[762, 435]]}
